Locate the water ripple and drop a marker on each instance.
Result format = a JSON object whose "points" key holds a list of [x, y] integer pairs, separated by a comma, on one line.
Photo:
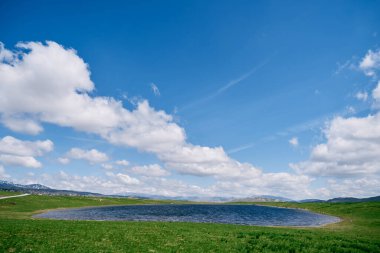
{"points": [[230, 214]]}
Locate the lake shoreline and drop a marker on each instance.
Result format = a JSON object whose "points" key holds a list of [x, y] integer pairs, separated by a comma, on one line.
{"points": [[41, 214]]}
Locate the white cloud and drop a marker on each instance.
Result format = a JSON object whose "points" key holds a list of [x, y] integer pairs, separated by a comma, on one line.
{"points": [[21, 125], [65, 181], [155, 89], [5, 55], [13, 146], [107, 166], [63, 160], [152, 170], [361, 187], [197, 160], [376, 92], [92, 155], [114, 183], [52, 84], [279, 184], [352, 148], [123, 178], [370, 63], [122, 162], [21, 153], [148, 130], [362, 95], [23, 161], [294, 142]]}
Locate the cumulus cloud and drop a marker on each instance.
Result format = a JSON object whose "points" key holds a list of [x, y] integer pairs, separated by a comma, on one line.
{"points": [[107, 166], [122, 162], [116, 183], [56, 90], [151, 170], [283, 184], [63, 160], [92, 155], [21, 125], [47, 83], [294, 142], [11, 145], [23, 161], [370, 63], [198, 160], [376, 92], [63, 180], [352, 148], [22, 153], [361, 187], [124, 178]]}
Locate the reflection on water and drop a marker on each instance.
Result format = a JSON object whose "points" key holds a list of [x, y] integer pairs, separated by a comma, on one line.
{"points": [[231, 214]]}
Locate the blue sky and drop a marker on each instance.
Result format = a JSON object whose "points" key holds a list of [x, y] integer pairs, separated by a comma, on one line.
{"points": [[240, 78]]}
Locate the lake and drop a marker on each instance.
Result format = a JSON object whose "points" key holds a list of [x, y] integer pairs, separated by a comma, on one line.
{"points": [[218, 213]]}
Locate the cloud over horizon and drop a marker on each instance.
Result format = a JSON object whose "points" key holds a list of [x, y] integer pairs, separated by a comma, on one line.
{"points": [[47, 83], [22, 153]]}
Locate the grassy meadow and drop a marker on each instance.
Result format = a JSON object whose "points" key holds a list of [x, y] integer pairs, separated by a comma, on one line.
{"points": [[6, 193], [20, 232]]}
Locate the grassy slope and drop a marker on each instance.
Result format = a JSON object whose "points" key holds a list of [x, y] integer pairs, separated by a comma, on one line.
{"points": [[6, 193], [359, 232]]}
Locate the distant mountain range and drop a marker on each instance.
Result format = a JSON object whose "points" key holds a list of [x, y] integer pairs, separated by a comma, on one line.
{"points": [[44, 190], [264, 198], [41, 189]]}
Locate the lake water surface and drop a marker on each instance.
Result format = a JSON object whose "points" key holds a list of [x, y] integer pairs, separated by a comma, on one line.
{"points": [[230, 214]]}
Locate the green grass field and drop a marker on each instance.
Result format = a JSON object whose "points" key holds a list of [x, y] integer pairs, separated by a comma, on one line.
{"points": [[4, 193], [19, 232]]}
